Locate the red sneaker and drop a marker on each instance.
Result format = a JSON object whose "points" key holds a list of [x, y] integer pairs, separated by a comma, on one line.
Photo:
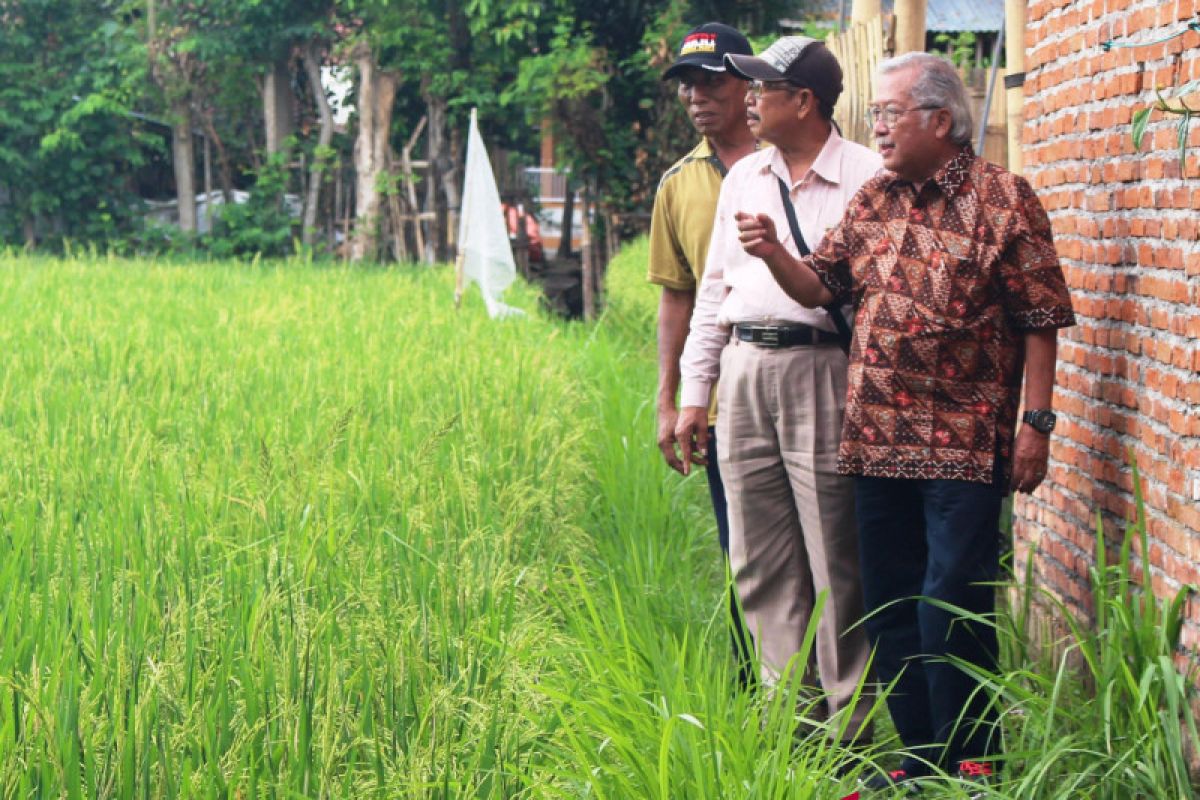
{"points": [[978, 771]]}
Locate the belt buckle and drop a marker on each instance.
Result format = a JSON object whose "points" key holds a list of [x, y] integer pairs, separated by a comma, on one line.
{"points": [[769, 337]]}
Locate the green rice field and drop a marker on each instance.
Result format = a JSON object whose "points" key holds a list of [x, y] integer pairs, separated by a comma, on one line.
{"points": [[307, 531]]}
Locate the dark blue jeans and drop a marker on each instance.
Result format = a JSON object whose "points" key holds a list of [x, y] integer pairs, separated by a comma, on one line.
{"points": [[935, 539], [743, 642]]}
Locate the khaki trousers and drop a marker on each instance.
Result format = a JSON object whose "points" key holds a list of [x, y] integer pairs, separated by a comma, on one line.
{"points": [[792, 533]]}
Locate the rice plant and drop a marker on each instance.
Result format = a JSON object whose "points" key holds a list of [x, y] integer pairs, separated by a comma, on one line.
{"points": [[304, 530]]}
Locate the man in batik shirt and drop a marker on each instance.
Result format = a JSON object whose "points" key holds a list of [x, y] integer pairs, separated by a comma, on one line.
{"points": [[958, 293]]}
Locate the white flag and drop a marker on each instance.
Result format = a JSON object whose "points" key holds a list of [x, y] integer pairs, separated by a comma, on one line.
{"points": [[484, 254]]}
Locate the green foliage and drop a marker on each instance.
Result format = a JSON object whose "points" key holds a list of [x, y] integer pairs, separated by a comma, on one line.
{"points": [[69, 160], [260, 227], [959, 47], [596, 85], [68, 146]]}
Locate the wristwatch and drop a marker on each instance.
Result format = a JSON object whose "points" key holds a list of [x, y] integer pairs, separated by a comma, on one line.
{"points": [[1040, 419]]}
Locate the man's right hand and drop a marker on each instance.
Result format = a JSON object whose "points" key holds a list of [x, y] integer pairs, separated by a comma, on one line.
{"points": [[756, 233], [691, 431], [667, 417]]}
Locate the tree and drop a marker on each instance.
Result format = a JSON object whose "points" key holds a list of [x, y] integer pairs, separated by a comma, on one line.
{"points": [[174, 68], [265, 37], [322, 152], [68, 144]]}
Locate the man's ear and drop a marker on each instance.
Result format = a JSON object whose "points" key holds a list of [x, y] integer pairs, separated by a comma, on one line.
{"points": [[808, 103], [944, 123]]}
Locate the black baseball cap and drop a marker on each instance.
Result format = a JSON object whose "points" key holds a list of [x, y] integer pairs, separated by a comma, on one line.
{"points": [[799, 60], [706, 46]]}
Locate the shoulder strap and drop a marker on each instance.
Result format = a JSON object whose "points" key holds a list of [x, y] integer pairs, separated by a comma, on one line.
{"points": [[833, 309]]}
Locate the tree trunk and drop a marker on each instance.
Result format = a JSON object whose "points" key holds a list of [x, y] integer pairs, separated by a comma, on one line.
{"points": [[312, 67], [568, 220], [224, 168], [612, 242], [277, 105], [184, 156], [588, 266], [521, 247], [376, 96], [435, 199], [208, 186], [451, 181]]}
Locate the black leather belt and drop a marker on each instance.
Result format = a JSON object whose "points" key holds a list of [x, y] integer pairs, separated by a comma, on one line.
{"points": [[791, 335]]}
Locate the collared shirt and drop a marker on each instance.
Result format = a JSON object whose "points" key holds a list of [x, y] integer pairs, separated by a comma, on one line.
{"points": [[945, 279], [738, 287], [681, 223]]}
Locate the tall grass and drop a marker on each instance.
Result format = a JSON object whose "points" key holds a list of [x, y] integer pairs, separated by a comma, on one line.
{"points": [[294, 530], [285, 530], [1103, 711]]}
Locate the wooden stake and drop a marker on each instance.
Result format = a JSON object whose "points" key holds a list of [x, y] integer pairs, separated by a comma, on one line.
{"points": [[1014, 42], [864, 11], [910, 26], [409, 181]]}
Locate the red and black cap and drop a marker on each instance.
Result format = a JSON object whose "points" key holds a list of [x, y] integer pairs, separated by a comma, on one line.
{"points": [[706, 46], [799, 60]]}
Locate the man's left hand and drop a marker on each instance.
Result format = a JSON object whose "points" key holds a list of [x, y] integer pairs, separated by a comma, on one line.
{"points": [[1030, 456]]}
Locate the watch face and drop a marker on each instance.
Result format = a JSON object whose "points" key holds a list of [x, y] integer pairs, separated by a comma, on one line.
{"points": [[1042, 421]]}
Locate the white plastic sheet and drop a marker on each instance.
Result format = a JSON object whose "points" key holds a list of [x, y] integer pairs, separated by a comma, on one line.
{"points": [[484, 253]]}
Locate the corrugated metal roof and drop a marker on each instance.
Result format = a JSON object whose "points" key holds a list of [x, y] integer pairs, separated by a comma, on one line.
{"points": [[964, 15], [941, 16]]}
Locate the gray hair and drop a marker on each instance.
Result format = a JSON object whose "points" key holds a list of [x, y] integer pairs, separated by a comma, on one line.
{"points": [[938, 85]]}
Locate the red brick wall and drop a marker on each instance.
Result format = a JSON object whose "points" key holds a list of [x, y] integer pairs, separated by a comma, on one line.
{"points": [[1127, 227]]}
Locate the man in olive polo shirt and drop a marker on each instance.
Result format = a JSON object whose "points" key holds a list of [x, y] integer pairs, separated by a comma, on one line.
{"points": [[679, 232]]}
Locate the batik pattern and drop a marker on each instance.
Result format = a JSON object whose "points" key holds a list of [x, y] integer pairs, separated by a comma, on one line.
{"points": [[945, 278]]}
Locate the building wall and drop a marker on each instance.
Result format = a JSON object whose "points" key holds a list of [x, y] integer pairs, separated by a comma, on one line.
{"points": [[1127, 225]]}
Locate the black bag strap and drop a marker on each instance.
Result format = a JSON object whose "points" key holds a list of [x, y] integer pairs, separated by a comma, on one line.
{"points": [[833, 309]]}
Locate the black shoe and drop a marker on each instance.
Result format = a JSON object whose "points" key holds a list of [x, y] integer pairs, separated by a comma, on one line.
{"points": [[897, 779]]}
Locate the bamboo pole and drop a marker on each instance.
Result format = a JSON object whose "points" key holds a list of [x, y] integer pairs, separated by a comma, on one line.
{"points": [[1014, 24], [410, 184], [910, 26], [864, 11]]}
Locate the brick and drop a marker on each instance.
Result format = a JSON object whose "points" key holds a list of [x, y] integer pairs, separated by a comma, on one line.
{"points": [[1127, 233]]}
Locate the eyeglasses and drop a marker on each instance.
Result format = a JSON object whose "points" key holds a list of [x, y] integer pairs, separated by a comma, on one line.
{"points": [[757, 88], [890, 114]]}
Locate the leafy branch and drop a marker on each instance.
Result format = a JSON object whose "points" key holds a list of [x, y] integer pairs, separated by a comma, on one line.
{"points": [[1141, 118]]}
